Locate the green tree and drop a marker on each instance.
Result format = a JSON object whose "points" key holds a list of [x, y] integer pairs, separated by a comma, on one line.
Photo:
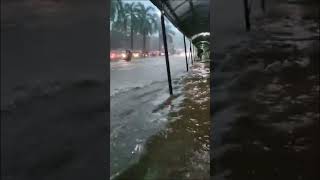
{"points": [[128, 19], [117, 22], [131, 13], [147, 21], [114, 11]]}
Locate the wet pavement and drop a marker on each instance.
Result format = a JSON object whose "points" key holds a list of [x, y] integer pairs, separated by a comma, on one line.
{"points": [[143, 72], [155, 136], [267, 99]]}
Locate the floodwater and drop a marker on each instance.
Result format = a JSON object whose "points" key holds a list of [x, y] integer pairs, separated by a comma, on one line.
{"points": [[153, 135], [143, 72]]}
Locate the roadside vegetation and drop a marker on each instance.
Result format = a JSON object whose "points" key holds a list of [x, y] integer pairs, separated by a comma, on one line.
{"points": [[134, 21]]}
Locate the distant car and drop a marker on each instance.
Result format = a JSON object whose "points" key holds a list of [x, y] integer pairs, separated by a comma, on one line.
{"points": [[136, 53], [158, 53], [114, 55], [153, 53], [163, 53], [123, 55], [118, 55], [144, 54]]}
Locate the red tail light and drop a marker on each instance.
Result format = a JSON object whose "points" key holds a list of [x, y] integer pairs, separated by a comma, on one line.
{"points": [[112, 55]]}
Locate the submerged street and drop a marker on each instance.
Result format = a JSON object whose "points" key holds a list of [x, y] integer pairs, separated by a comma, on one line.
{"points": [[69, 106], [143, 72], [158, 132], [146, 121]]}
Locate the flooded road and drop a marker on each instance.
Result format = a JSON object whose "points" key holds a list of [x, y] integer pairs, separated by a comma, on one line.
{"points": [[153, 135], [143, 72]]}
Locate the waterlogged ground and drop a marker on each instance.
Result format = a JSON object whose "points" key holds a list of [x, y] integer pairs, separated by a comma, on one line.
{"points": [[269, 127], [143, 72], [163, 137]]}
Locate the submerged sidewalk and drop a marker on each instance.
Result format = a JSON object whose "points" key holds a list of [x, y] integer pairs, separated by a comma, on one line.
{"points": [[180, 149], [267, 99]]}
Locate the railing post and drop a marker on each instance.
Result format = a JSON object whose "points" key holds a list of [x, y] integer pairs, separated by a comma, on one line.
{"points": [[191, 53], [166, 52], [247, 14], [185, 51], [194, 52]]}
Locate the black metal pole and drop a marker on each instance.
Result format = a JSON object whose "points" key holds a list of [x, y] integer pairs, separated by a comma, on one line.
{"points": [[185, 51], [194, 53], [166, 52], [263, 5], [191, 53], [246, 14]]}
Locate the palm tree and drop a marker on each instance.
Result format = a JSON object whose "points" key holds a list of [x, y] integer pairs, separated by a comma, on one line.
{"points": [[146, 21], [159, 29], [123, 18], [169, 32], [126, 12], [131, 13], [118, 17], [113, 10], [114, 13]]}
